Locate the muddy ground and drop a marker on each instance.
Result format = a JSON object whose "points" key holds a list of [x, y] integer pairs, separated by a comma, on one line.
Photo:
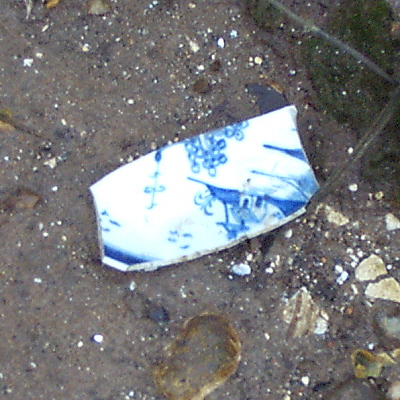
{"points": [[91, 93]]}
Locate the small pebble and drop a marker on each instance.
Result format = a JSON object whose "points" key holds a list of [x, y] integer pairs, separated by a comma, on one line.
{"points": [[370, 268], [241, 269], [98, 338], [394, 391], [392, 222], [386, 289], [353, 187], [132, 286], [98, 7], [221, 43]]}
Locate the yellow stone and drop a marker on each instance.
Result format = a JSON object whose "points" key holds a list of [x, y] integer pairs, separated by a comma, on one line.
{"points": [[199, 360]]}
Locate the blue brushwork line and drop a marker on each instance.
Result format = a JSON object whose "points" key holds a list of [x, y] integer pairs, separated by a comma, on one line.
{"points": [[290, 181], [248, 210], [296, 153], [156, 188], [123, 257], [228, 196], [287, 207]]}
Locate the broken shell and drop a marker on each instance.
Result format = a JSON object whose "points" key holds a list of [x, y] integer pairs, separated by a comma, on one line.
{"points": [[21, 198], [394, 391], [367, 365], [387, 325], [386, 289], [370, 268], [304, 316], [98, 7], [199, 360]]}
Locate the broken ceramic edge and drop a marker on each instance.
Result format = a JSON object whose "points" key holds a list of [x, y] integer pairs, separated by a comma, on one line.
{"points": [[204, 194]]}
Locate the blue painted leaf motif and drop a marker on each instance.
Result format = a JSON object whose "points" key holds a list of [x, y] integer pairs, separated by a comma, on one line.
{"points": [[155, 188]]}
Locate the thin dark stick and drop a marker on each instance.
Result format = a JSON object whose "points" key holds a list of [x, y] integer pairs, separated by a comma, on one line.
{"points": [[378, 125]]}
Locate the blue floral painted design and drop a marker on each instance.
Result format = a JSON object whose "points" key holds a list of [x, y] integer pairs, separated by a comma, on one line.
{"points": [[155, 188], [207, 151]]}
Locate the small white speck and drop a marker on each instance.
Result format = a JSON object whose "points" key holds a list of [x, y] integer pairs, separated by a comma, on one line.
{"points": [[27, 62], [80, 344], [131, 101], [63, 122], [353, 187], [305, 380], [342, 278], [288, 233], [350, 150], [221, 42], [86, 47], [98, 338], [52, 162], [37, 280], [39, 55], [233, 34], [249, 257], [258, 60], [132, 286], [54, 188]]}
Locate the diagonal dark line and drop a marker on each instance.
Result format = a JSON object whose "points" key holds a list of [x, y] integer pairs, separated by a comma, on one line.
{"points": [[376, 128], [309, 26]]}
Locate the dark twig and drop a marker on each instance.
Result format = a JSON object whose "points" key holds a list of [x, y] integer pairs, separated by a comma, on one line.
{"points": [[309, 26]]}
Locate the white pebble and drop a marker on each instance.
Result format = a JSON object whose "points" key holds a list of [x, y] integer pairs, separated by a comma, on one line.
{"points": [[392, 222], [241, 269], [27, 62], [305, 380], [233, 34], [98, 338], [221, 42], [353, 187]]}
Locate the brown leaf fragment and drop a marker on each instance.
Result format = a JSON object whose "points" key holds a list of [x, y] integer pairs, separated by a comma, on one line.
{"points": [[20, 199], [51, 3], [5, 127]]}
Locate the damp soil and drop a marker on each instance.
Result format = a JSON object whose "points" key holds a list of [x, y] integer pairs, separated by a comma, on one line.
{"points": [[91, 93]]}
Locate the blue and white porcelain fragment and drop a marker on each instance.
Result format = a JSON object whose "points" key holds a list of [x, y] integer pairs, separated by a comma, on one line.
{"points": [[204, 194]]}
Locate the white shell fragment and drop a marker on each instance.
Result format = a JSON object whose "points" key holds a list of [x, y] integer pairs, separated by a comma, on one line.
{"points": [[386, 289], [204, 194], [335, 217], [370, 268], [392, 222], [304, 316]]}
